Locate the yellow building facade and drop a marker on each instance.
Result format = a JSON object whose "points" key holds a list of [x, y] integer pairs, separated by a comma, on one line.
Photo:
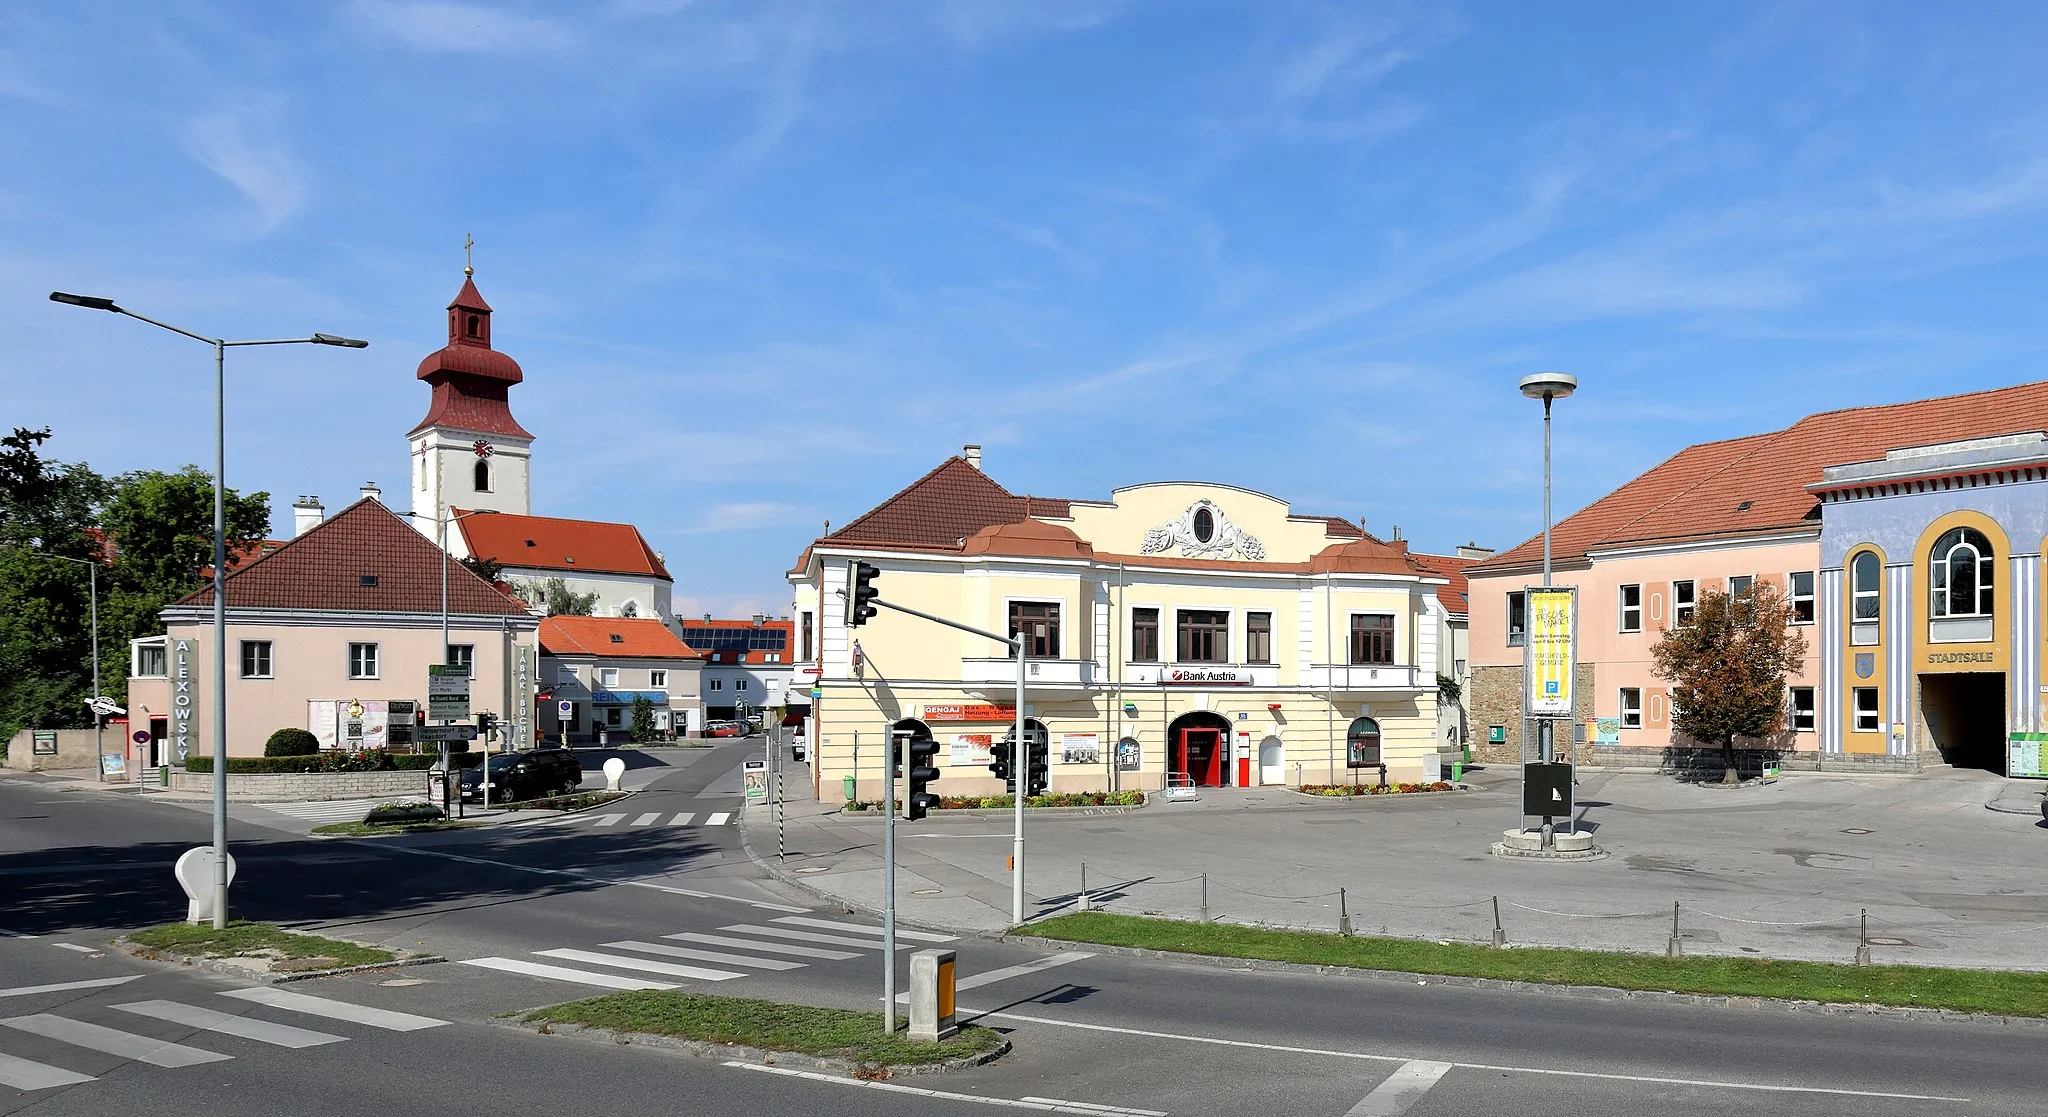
{"points": [[1177, 633]]}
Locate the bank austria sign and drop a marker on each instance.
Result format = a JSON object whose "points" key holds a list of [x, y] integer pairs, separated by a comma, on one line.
{"points": [[1205, 676]]}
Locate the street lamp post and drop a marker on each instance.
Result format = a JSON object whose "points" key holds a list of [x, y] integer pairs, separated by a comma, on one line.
{"points": [[220, 563], [484, 781], [92, 583], [1547, 386]]}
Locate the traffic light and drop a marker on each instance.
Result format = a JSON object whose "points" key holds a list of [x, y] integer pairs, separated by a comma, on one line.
{"points": [[999, 764], [860, 593], [1037, 752], [923, 755], [486, 726]]}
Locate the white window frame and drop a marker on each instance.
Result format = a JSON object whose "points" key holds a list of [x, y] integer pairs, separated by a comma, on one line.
{"points": [[741, 684], [1795, 713], [1623, 609], [719, 684], [1795, 597], [657, 679], [1941, 575], [1874, 592], [160, 645], [1682, 607], [1629, 703], [1748, 583], [269, 670], [1516, 637], [1858, 712], [361, 653], [608, 678], [463, 656], [566, 673]]}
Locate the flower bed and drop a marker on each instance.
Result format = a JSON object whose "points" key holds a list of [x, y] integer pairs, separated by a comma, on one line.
{"points": [[1347, 790], [998, 802]]}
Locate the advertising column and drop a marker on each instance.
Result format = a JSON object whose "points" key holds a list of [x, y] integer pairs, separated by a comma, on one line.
{"points": [[1550, 655]]}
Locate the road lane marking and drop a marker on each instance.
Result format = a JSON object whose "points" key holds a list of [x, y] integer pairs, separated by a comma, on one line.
{"points": [[608, 819], [564, 973], [620, 961], [109, 1041], [515, 866], [227, 1023], [1401, 1090], [95, 983], [4, 932], [25, 1075], [647, 818], [334, 1010], [990, 977], [816, 952], [968, 1015], [1044, 1105], [682, 819], [719, 819], [836, 925], [74, 946], [704, 955], [809, 936]]}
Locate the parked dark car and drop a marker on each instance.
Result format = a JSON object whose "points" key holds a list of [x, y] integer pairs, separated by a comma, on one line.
{"points": [[522, 775]]}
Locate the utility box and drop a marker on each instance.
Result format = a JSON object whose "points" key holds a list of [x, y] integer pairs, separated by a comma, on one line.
{"points": [[931, 996], [1547, 790]]}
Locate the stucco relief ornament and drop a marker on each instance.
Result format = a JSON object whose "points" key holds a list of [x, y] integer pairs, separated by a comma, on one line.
{"points": [[1203, 531]]}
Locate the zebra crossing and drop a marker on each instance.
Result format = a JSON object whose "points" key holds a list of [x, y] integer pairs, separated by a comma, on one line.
{"points": [[790, 942], [334, 810], [628, 820], [65, 1032]]}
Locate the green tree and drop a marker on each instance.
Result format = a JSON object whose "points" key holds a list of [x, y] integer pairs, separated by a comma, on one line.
{"points": [[1728, 668], [484, 568], [1447, 690], [554, 598], [643, 719], [48, 508]]}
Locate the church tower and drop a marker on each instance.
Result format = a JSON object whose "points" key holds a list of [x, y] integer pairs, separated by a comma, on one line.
{"points": [[469, 452]]}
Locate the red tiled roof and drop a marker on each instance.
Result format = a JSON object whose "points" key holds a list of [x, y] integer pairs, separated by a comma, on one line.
{"points": [[326, 568], [1453, 596], [942, 509], [624, 637], [242, 555], [547, 543], [470, 378], [1342, 528], [1757, 484]]}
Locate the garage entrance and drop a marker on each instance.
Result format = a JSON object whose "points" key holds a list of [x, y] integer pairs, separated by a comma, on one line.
{"points": [[1965, 715]]}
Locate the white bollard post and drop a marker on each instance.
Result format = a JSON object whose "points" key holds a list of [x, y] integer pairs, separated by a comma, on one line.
{"points": [[194, 870], [931, 996], [613, 769]]}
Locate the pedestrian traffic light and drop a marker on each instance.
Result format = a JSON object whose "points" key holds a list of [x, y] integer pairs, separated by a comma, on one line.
{"points": [[923, 756], [1037, 752], [999, 764], [860, 593]]}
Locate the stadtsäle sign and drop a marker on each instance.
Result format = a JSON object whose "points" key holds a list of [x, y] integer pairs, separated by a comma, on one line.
{"points": [[1551, 650]]}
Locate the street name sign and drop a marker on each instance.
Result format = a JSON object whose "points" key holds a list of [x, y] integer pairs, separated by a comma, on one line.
{"points": [[434, 734], [447, 692]]}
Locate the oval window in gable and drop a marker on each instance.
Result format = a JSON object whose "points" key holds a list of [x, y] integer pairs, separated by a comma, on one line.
{"points": [[1205, 525]]}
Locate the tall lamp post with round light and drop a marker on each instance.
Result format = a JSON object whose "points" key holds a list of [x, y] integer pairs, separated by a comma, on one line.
{"points": [[220, 562], [1547, 386]]}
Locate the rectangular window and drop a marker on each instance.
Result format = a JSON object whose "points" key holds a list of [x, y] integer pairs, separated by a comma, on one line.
{"points": [[1372, 639], [717, 684], [1802, 709], [1866, 709], [256, 659], [611, 716], [1518, 619], [1632, 608], [1631, 707], [772, 657], [803, 636], [1738, 585], [1802, 596], [1203, 636], [1144, 636], [1039, 623], [657, 680], [739, 684], [151, 661], [1682, 602], [565, 673], [1258, 637], [463, 656], [362, 661], [608, 677]]}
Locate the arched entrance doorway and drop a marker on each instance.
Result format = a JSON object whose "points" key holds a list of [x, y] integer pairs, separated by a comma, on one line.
{"points": [[1198, 744]]}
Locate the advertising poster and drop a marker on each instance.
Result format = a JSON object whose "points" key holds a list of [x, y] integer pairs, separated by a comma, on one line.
{"points": [[970, 749], [1128, 755], [1080, 748], [1551, 650]]}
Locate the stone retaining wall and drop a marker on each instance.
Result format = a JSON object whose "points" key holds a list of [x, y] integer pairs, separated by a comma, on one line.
{"points": [[1746, 760], [255, 787]]}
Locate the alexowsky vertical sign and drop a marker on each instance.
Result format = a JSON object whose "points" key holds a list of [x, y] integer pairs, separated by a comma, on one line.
{"points": [[1552, 649], [184, 720]]}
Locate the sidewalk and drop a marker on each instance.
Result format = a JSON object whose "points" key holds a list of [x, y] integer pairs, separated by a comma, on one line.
{"points": [[1778, 871]]}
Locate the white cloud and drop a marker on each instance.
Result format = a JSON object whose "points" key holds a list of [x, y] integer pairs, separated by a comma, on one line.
{"points": [[442, 25], [744, 516], [235, 142]]}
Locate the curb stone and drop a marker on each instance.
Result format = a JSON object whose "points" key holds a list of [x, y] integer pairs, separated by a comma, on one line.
{"points": [[705, 1049], [1580, 992], [224, 966]]}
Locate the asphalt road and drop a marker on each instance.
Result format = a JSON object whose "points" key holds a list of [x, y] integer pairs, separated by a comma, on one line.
{"points": [[673, 900]]}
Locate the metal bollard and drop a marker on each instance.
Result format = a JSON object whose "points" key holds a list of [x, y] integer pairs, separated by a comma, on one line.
{"points": [[1205, 897], [1500, 936], [1676, 947], [1084, 887], [1863, 936], [1343, 912]]}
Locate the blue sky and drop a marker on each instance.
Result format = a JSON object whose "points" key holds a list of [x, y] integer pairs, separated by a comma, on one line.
{"points": [[766, 262]]}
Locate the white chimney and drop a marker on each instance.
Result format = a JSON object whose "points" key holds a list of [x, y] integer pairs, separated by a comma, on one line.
{"points": [[972, 452], [1474, 551], [306, 515], [370, 491]]}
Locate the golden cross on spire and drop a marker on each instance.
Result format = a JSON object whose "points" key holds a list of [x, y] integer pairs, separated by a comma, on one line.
{"points": [[468, 265]]}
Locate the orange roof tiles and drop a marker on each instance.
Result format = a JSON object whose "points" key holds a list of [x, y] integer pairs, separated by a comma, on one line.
{"points": [[363, 559], [1454, 595], [621, 637], [1757, 484], [943, 509], [547, 543]]}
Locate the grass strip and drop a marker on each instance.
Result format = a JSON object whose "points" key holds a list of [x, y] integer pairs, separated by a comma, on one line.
{"points": [[366, 830], [239, 939], [769, 1025], [2002, 992]]}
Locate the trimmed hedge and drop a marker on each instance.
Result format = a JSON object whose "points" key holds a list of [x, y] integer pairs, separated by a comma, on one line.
{"points": [[291, 742], [332, 762]]}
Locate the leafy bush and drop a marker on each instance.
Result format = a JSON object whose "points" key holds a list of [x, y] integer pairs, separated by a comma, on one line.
{"points": [[368, 760], [1347, 790], [291, 742], [998, 802]]}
